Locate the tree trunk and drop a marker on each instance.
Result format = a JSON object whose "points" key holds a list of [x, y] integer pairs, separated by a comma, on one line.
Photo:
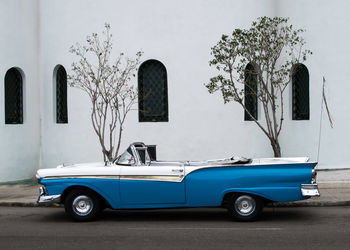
{"points": [[276, 148], [107, 156]]}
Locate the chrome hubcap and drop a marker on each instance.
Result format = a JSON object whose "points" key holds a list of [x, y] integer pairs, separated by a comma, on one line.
{"points": [[82, 205], [245, 205]]}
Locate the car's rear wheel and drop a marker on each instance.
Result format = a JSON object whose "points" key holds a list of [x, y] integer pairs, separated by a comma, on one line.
{"points": [[82, 205], [245, 207]]}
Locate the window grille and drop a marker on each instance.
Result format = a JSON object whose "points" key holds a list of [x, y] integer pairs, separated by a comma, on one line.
{"points": [[61, 95], [13, 97], [250, 92], [300, 93], [153, 92]]}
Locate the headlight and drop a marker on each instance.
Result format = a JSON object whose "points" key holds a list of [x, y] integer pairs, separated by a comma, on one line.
{"points": [[42, 190]]}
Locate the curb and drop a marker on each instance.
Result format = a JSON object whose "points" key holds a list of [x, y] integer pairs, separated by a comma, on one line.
{"points": [[26, 204], [311, 204]]}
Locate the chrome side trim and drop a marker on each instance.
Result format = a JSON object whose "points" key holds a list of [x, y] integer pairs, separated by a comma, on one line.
{"points": [[82, 177], [309, 190], [49, 199], [172, 178]]}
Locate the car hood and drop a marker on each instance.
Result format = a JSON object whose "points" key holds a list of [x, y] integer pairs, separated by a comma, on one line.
{"points": [[82, 169]]}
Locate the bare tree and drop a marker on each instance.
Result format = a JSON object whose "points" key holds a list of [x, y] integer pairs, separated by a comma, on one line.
{"points": [[272, 46], [107, 85]]}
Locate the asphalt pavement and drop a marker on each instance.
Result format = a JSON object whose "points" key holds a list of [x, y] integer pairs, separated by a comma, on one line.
{"points": [[334, 186], [200, 228]]}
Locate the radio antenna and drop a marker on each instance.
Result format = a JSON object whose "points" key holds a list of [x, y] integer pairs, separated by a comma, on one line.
{"points": [[330, 119], [321, 116]]}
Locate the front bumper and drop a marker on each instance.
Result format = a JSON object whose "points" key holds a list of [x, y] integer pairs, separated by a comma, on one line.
{"points": [[44, 198], [309, 190]]}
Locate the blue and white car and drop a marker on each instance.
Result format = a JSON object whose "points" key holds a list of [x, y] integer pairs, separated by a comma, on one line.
{"points": [[137, 180]]}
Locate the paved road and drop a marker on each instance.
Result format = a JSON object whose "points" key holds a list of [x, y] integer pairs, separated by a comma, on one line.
{"points": [[280, 228]]}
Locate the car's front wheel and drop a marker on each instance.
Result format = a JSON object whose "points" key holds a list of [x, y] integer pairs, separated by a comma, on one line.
{"points": [[245, 207], [82, 205]]}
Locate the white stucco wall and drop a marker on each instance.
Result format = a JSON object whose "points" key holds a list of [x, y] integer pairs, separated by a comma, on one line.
{"points": [[19, 144], [327, 36], [179, 34]]}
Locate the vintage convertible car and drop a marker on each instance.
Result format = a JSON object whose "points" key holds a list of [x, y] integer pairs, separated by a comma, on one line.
{"points": [[137, 180]]}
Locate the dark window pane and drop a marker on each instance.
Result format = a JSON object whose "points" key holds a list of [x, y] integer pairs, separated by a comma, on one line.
{"points": [[13, 97], [61, 95], [153, 92], [300, 92], [250, 91]]}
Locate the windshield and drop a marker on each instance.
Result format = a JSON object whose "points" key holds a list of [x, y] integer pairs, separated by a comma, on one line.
{"points": [[126, 158]]}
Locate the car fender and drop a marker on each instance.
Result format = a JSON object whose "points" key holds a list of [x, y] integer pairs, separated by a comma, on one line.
{"points": [[275, 194], [107, 189]]}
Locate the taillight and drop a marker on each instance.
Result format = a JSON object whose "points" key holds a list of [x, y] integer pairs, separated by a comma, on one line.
{"points": [[314, 174]]}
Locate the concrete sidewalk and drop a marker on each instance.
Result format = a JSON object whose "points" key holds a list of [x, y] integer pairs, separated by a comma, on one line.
{"points": [[334, 186]]}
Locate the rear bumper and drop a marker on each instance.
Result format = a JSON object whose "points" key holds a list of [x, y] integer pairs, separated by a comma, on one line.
{"points": [[309, 190], [44, 198]]}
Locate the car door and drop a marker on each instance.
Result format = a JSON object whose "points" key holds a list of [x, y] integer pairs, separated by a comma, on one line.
{"points": [[146, 185]]}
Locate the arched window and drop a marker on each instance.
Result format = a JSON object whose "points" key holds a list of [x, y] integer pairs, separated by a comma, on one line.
{"points": [[300, 92], [153, 92], [61, 95], [13, 97], [250, 92]]}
